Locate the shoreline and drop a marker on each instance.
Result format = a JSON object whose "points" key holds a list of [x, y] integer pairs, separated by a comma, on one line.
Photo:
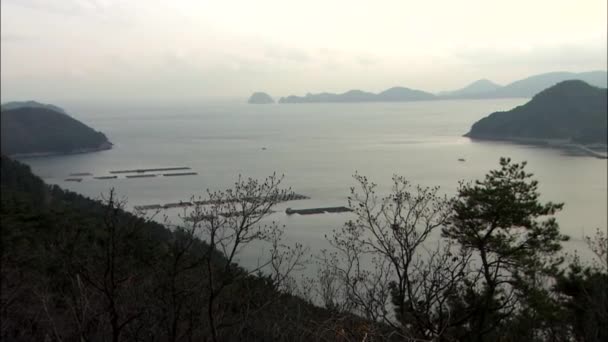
{"points": [[553, 143], [103, 147]]}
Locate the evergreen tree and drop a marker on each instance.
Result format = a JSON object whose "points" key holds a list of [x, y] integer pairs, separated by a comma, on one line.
{"points": [[502, 221]]}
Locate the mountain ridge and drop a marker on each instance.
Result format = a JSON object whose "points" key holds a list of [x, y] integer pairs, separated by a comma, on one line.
{"points": [[480, 89]]}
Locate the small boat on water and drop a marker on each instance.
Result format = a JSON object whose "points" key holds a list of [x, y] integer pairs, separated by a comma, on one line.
{"points": [[461, 159]]}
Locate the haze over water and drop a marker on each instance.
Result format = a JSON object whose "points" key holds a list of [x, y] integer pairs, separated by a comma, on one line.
{"points": [[318, 147]]}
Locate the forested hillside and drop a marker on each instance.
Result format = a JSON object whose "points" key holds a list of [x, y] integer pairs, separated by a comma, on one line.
{"points": [[75, 269], [44, 130], [571, 110]]}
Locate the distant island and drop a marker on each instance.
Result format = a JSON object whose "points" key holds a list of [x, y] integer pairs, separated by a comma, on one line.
{"points": [[260, 98], [570, 111], [527, 87], [33, 129], [480, 89], [395, 94]]}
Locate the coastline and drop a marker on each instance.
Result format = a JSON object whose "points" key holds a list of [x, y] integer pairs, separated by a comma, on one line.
{"points": [[103, 147], [587, 149]]}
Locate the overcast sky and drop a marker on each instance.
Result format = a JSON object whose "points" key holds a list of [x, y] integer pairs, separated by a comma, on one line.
{"points": [[150, 50]]}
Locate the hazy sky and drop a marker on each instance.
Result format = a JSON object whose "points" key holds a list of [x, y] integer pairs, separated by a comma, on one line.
{"points": [[54, 50]]}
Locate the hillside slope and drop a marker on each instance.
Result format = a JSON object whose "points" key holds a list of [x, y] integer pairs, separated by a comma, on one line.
{"points": [[40, 130], [73, 267], [570, 110]]}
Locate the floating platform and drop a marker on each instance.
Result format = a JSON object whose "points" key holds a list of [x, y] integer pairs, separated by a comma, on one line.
{"points": [[148, 207], [177, 205], [286, 198], [81, 174], [152, 170], [589, 151], [179, 174], [291, 197], [106, 177], [163, 206], [73, 179], [140, 176], [226, 215], [313, 211]]}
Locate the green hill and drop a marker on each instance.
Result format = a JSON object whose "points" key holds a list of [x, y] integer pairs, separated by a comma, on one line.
{"points": [[44, 130], [570, 110]]}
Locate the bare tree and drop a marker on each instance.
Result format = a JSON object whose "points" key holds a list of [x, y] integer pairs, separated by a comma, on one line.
{"points": [[389, 264], [234, 219], [109, 278], [598, 244]]}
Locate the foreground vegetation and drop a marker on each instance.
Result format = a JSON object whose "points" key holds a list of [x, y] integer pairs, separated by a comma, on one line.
{"points": [[412, 266]]}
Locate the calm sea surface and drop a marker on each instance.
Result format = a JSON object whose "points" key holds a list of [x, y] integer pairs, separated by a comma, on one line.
{"points": [[318, 147]]}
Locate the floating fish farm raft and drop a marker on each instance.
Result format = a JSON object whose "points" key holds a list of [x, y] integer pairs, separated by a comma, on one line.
{"points": [[106, 177], [141, 176], [152, 170], [231, 214], [285, 198], [179, 174], [135, 173], [313, 211]]}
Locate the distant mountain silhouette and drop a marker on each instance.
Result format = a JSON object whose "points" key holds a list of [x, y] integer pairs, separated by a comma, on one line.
{"points": [[480, 89], [260, 98], [395, 94], [40, 130], [473, 90], [570, 110], [404, 94], [526, 87], [534, 84]]}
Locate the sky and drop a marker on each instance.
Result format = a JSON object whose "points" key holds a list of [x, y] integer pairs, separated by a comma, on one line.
{"points": [[189, 50]]}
